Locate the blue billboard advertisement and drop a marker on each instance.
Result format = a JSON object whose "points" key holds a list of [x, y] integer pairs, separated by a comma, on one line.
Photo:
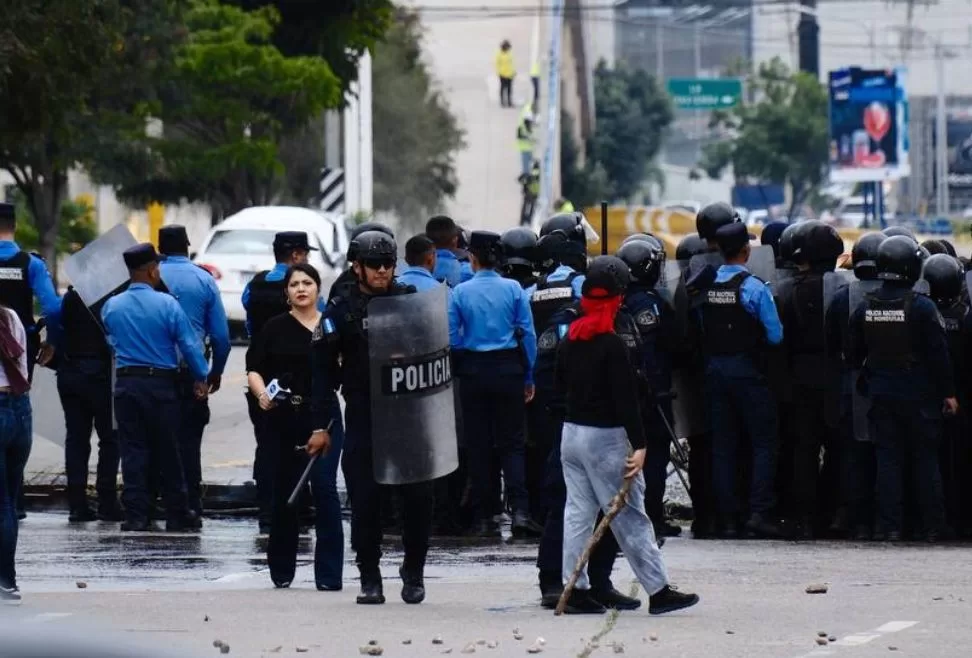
{"points": [[868, 125]]}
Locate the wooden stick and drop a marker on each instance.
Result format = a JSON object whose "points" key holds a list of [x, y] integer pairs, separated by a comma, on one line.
{"points": [[617, 504]]}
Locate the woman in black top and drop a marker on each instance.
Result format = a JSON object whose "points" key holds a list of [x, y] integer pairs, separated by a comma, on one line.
{"points": [[282, 352], [602, 424]]}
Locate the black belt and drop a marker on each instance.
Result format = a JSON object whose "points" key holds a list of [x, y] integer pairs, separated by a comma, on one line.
{"points": [[146, 371]]}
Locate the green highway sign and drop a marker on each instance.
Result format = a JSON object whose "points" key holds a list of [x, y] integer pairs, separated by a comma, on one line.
{"points": [[705, 93]]}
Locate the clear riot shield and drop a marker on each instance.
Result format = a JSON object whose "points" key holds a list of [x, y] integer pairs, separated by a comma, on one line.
{"points": [[860, 403], [688, 384], [833, 282], [99, 269], [761, 263], [413, 415]]}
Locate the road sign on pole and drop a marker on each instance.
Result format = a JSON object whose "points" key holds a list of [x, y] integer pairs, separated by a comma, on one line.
{"points": [[705, 93]]}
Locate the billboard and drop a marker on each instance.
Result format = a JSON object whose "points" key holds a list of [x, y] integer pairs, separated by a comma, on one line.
{"points": [[868, 125], [958, 135]]}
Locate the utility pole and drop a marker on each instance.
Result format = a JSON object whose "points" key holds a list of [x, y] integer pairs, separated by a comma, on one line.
{"points": [[941, 134], [809, 38]]}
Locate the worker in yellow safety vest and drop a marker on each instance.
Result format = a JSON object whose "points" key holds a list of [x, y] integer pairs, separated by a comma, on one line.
{"points": [[562, 206], [535, 79], [506, 72], [524, 142]]}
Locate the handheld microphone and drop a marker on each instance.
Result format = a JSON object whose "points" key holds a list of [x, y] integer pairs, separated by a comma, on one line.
{"points": [[275, 391]]}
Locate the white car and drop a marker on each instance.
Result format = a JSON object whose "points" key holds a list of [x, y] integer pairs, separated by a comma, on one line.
{"points": [[239, 247]]}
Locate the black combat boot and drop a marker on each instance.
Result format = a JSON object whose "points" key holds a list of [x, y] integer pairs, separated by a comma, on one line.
{"points": [[413, 585], [372, 592], [580, 602]]}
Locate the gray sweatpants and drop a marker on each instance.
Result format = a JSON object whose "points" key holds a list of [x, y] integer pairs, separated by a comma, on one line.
{"points": [[594, 464]]}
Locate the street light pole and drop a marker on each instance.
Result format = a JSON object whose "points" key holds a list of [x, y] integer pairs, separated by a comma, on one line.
{"points": [[941, 135]]}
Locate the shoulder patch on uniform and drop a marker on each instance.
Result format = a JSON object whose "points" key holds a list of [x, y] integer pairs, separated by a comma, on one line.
{"points": [[548, 339], [646, 318]]}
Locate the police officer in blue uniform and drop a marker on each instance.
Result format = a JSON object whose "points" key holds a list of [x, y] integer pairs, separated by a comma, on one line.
{"points": [[446, 235], [341, 360], [740, 322], [83, 361], [148, 332], [654, 319], [263, 298], [491, 331], [421, 258], [898, 337], [195, 290]]}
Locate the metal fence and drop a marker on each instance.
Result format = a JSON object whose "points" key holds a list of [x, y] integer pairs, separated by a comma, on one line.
{"points": [[698, 41]]}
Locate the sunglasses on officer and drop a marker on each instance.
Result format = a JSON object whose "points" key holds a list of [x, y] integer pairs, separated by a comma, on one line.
{"points": [[379, 263]]}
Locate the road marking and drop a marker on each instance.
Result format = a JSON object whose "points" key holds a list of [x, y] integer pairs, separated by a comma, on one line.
{"points": [[860, 639], [50, 616]]}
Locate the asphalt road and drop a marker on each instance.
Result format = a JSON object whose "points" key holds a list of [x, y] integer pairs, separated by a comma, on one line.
{"points": [[185, 591]]}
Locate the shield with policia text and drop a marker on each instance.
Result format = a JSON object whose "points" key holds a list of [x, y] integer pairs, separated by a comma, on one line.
{"points": [[413, 416]]}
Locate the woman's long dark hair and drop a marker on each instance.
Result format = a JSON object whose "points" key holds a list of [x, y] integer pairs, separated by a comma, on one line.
{"points": [[307, 269]]}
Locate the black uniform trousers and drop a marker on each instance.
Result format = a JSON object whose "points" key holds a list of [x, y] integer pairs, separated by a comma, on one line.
{"points": [[657, 457], [955, 460], [858, 466], [543, 432], [147, 410], [907, 436], [193, 418], [550, 557], [811, 432], [84, 387], [366, 498], [494, 418], [263, 467]]}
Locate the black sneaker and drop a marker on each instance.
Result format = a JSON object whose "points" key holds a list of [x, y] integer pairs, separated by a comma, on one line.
{"points": [[580, 602], [413, 586], [81, 515], [669, 599], [550, 596], [10, 595], [524, 526], [609, 597]]}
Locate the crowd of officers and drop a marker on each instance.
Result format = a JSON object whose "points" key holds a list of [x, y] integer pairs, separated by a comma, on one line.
{"points": [[832, 400]]}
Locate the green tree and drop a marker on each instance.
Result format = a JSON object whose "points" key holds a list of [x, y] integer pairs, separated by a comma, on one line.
{"points": [[417, 135], [586, 185], [77, 227], [338, 30], [71, 75], [780, 138], [228, 101], [632, 113]]}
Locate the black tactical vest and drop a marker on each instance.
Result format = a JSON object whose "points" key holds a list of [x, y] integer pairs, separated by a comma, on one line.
{"points": [[887, 334], [803, 315], [15, 292], [83, 335], [729, 328], [267, 299], [954, 318], [550, 297]]}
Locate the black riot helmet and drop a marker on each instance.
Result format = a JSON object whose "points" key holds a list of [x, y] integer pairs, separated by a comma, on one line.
{"points": [[714, 216], [520, 247], [690, 245], [949, 248], [899, 259], [934, 247], [644, 259], [644, 237], [564, 241], [363, 228], [771, 235], [374, 246], [608, 273], [821, 244], [571, 224], [893, 231], [944, 275], [791, 241], [864, 255]]}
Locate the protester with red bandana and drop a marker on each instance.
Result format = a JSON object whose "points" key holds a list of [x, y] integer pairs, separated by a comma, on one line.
{"points": [[602, 423]]}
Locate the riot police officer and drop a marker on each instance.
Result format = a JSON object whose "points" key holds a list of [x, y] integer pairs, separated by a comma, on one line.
{"points": [[740, 322], [346, 279], [148, 331], [898, 336], [801, 309], [946, 277], [492, 331], [653, 317], [857, 464], [713, 217], [341, 359], [84, 387], [520, 255], [195, 290], [263, 298], [771, 235]]}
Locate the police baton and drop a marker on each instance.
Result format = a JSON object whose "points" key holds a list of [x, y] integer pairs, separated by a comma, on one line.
{"points": [[604, 229], [678, 448], [302, 482]]}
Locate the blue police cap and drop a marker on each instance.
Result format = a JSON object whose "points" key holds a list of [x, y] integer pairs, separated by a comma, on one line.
{"points": [[484, 241], [173, 239], [7, 211], [139, 255], [733, 237]]}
